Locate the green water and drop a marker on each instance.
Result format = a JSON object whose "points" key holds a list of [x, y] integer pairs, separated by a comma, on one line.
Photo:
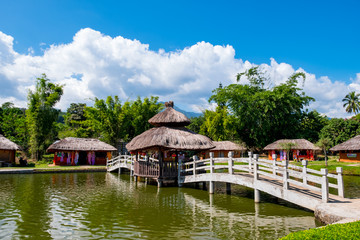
{"points": [[103, 206]]}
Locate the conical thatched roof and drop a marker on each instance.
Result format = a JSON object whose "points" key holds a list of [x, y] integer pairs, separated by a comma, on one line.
{"points": [[169, 117], [351, 144], [227, 146], [6, 144], [300, 144], [179, 138], [80, 144]]}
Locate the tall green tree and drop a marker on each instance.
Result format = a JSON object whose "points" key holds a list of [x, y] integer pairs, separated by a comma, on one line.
{"points": [[311, 124], [41, 115], [352, 102], [113, 121], [264, 115], [13, 124], [339, 130]]}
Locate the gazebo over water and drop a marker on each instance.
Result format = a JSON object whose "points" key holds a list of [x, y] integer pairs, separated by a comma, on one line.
{"points": [[168, 136]]}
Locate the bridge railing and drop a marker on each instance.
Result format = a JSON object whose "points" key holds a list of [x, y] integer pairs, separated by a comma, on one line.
{"points": [[282, 171]]}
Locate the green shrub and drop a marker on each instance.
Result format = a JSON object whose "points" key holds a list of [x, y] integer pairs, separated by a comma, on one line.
{"points": [[329, 232]]}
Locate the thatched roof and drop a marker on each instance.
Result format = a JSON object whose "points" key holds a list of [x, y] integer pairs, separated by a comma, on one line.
{"points": [[169, 117], [300, 144], [227, 146], [80, 144], [175, 138], [6, 144], [351, 144]]}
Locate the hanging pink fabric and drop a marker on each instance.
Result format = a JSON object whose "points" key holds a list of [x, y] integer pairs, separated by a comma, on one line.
{"points": [[93, 158], [76, 158], [62, 157], [89, 158]]}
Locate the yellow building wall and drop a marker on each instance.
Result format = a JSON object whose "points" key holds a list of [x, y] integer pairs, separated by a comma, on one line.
{"points": [[349, 156]]}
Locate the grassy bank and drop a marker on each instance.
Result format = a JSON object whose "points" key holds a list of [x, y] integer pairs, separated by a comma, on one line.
{"points": [[348, 167], [329, 232]]}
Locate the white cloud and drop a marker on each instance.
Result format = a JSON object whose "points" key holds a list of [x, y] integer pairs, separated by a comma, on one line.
{"points": [[96, 65]]}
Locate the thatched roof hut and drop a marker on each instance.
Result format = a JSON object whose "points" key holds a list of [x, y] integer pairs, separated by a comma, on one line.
{"points": [[6, 144], [299, 144], [352, 144], [227, 146], [170, 134], [169, 117], [80, 144]]}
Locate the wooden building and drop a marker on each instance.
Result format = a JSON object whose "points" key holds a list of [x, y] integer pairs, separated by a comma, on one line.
{"points": [[222, 148], [163, 143], [7, 151], [302, 150], [349, 151], [81, 151]]}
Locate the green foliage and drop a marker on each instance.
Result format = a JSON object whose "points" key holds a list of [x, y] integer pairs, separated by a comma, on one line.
{"points": [[196, 123], [13, 124], [339, 130], [112, 121], [329, 232], [324, 144], [311, 125], [218, 125], [260, 115], [41, 116], [352, 102]]}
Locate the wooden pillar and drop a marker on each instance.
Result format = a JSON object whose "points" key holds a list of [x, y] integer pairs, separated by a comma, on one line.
{"points": [[228, 188]]}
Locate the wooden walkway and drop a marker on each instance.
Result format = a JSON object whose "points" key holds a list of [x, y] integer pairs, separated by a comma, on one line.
{"points": [[299, 185]]}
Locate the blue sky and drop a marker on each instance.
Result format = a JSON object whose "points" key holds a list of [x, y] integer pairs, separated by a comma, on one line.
{"points": [[320, 37]]}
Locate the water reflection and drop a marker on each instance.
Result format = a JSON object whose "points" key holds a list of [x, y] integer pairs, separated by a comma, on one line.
{"points": [[99, 205]]}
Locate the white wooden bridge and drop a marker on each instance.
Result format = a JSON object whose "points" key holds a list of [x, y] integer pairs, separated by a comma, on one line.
{"points": [[299, 185]]}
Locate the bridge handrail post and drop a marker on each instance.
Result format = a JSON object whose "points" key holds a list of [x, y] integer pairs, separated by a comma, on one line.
{"points": [[250, 160], [304, 170], [340, 181], [274, 157], [324, 185], [179, 173], [256, 167], [211, 162], [231, 162], [286, 175], [195, 158]]}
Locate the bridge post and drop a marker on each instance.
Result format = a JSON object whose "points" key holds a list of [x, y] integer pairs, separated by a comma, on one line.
{"points": [[274, 157], [179, 173], [286, 175], [195, 158], [256, 177], [211, 183], [250, 160], [304, 172], [231, 162], [340, 181], [324, 185]]}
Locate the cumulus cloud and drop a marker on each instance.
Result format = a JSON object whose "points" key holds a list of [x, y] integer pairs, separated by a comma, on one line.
{"points": [[96, 65]]}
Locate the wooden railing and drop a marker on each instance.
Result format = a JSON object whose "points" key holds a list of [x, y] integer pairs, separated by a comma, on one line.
{"points": [[144, 167], [274, 170]]}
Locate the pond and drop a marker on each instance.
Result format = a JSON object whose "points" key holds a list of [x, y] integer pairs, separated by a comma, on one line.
{"points": [[105, 206]]}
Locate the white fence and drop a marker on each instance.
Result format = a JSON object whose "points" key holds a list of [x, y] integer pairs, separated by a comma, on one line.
{"points": [[269, 170]]}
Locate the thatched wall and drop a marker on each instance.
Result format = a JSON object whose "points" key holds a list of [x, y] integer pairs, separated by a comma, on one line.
{"points": [[80, 144], [300, 144]]}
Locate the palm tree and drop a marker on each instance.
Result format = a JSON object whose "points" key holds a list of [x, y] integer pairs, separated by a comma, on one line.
{"points": [[352, 102]]}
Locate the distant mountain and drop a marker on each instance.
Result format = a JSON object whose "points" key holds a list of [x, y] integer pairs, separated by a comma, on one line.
{"points": [[188, 114]]}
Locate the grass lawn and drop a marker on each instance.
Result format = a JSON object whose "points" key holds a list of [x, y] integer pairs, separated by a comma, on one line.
{"points": [[333, 231], [349, 168]]}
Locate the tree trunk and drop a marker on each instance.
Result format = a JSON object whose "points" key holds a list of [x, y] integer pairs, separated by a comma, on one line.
{"points": [[326, 163]]}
